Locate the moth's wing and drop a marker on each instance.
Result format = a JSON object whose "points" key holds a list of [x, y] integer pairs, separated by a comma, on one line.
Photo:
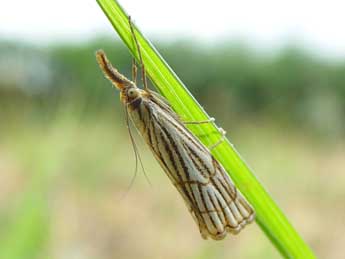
{"points": [[163, 103], [224, 198], [218, 206], [210, 195]]}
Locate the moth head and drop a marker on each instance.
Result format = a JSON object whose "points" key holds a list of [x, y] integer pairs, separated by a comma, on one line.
{"points": [[130, 94]]}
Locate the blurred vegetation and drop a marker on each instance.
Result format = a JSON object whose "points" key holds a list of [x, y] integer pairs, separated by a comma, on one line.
{"points": [[66, 159], [242, 82]]}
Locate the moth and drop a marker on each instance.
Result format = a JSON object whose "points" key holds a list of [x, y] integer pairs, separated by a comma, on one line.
{"points": [[215, 203]]}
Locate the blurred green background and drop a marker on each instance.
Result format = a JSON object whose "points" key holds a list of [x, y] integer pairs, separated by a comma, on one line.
{"points": [[66, 160]]}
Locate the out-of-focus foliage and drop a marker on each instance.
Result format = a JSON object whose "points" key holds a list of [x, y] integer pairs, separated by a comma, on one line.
{"points": [[240, 80], [66, 160]]}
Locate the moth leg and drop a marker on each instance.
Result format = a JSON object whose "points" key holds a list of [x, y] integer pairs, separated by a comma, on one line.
{"points": [[210, 120], [222, 138], [134, 71], [141, 63]]}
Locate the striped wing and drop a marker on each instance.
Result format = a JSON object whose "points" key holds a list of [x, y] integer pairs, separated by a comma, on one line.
{"points": [[211, 197]]}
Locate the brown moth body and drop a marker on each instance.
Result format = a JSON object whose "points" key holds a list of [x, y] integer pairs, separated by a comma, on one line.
{"points": [[209, 193]]}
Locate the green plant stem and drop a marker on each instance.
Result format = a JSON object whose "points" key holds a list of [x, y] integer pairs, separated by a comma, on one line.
{"points": [[269, 217]]}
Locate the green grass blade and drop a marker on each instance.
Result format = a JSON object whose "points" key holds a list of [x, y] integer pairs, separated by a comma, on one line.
{"points": [[270, 218]]}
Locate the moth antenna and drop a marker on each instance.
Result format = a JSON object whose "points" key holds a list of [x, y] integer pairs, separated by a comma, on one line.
{"points": [[143, 71], [136, 152]]}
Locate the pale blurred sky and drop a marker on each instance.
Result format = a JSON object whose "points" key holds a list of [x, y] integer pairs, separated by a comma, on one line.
{"points": [[318, 25]]}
